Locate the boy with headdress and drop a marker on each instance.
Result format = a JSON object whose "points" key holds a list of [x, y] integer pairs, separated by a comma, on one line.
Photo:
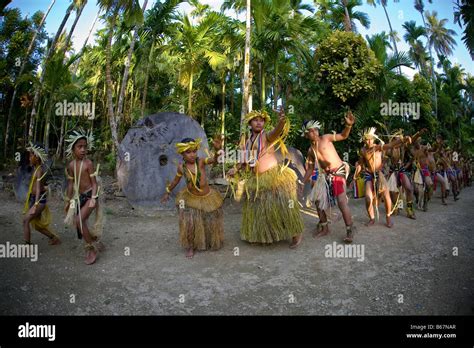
{"points": [[201, 217], [36, 210], [330, 186], [424, 173], [270, 209], [400, 164], [372, 156], [83, 193]]}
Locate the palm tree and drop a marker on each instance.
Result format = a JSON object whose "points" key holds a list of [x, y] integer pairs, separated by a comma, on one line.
{"points": [[81, 52], [417, 50], [284, 32], [79, 6], [20, 73], [379, 43], [342, 14], [113, 8], [194, 44], [49, 54], [157, 24], [440, 37], [126, 71], [247, 81], [420, 7], [384, 5], [464, 12]]}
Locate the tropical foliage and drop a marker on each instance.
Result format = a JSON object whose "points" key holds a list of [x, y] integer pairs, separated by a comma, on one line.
{"points": [[308, 58]]}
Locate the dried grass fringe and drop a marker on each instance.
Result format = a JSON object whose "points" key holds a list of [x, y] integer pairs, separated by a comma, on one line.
{"points": [[267, 216]]}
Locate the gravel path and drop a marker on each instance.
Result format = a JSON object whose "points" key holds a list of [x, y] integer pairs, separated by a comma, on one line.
{"points": [[408, 270]]}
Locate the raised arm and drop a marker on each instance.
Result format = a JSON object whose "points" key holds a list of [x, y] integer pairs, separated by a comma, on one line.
{"points": [[418, 135], [275, 133], [350, 120], [217, 144], [392, 145]]}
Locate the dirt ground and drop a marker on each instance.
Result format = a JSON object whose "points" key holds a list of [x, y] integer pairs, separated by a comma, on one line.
{"points": [[408, 270]]}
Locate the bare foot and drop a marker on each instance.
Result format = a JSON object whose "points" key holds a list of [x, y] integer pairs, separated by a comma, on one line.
{"points": [[189, 253], [370, 223], [54, 241], [389, 223], [100, 246], [323, 232], [91, 256], [349, 235], [296, 241]]}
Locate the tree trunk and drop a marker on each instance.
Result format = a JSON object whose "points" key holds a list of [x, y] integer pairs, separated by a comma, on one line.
{"points": [[232, 93], [392, 36], [127, 68], [61, 137], [108, 78], [147, 73], [277, 87], [78, 15], [223, 121], [347, 18], [47, 123], [246, 80], [22, 68], [190, 94], [27, 126], [433, 76], [262, 87], [85, 43], [48, 56]]}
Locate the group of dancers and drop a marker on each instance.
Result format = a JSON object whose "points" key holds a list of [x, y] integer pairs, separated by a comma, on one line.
{"points": [[81, 197], [401, 169]]}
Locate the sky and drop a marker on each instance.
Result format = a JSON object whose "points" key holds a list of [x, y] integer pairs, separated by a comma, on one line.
{"points": [[399, 12]]}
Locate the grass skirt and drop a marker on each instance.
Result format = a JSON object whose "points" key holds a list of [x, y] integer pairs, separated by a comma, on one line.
{"points": [[272, 212], [43, 221], [201, 220]]}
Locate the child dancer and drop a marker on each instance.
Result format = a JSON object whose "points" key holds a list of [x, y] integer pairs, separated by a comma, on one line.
{"points": [[36, 210], [83, 193], [372, 156], [201, 217]]}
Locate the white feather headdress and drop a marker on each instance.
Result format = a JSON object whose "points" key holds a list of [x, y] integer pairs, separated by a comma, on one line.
{"points": [[75, 136], [38, 151], [369, 133], [309, 125]]}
